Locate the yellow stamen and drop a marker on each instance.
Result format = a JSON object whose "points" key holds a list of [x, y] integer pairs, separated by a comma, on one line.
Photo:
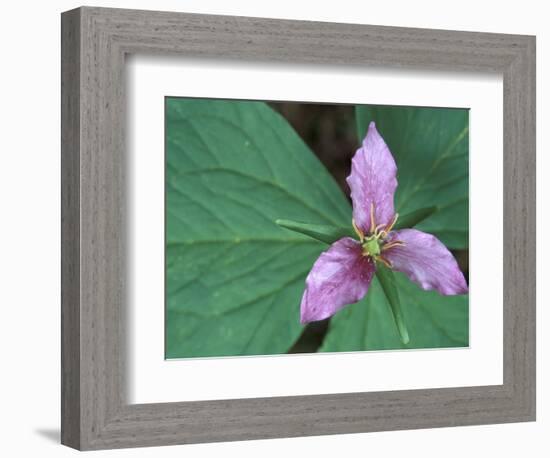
{"points": [[383, 260], [390, 227], [372, 223], [358, 231], [392, 244], [377, 228]]}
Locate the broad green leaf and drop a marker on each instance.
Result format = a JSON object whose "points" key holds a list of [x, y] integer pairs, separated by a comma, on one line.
{"points": [[414, 218], [430, 146], [322, 233], [234, 278], [433, 321]]}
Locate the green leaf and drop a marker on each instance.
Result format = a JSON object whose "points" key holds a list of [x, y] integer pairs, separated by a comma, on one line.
{"points": [[387, 282], [322, 233], [415, 217], [433, 321], [234, 278], [430, 146]]}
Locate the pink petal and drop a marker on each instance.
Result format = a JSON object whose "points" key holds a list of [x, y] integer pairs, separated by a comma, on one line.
{"points": [[426, 261], [340, 276], [372, 181]]}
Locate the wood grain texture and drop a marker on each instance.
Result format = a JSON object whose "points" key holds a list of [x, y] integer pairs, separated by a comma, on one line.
{"points": [[70, 229], [95, 412]]}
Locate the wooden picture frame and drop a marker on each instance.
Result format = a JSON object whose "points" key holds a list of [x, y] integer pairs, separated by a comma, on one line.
{"points": [[95, 412]]}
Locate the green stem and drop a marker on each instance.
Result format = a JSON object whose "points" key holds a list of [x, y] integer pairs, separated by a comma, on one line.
{"points": [[386, 278]]}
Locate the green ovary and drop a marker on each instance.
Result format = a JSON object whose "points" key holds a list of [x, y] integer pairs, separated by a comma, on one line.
{"points": [[371, 247]]}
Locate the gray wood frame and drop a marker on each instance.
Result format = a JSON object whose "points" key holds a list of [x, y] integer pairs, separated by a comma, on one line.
{"points": [[95, 413]]}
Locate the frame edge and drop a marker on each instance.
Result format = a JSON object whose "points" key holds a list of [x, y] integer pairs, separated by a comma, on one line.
{"points": [[70, 228], [92, 417]]}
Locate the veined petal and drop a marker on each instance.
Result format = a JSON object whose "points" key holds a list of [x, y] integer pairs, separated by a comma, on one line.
{"points": [[340, 276], [426, 261], [372, 181]]}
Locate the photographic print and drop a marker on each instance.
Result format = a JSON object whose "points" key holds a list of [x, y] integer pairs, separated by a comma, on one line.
{"points": [[301, 228]]}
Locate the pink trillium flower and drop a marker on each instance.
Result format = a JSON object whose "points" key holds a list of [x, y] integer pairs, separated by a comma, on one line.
{"points": [[342, 274]]}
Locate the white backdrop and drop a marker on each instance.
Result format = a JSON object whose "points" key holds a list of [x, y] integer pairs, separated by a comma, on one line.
{"points": [[29, 254], [152, 379]]}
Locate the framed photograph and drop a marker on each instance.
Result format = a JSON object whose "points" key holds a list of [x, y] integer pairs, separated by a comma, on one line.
{"points": [[280, 228]]}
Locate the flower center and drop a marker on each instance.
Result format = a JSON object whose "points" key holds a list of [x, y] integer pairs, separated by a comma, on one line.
{"points": [[371, 246], [374, 244]]}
